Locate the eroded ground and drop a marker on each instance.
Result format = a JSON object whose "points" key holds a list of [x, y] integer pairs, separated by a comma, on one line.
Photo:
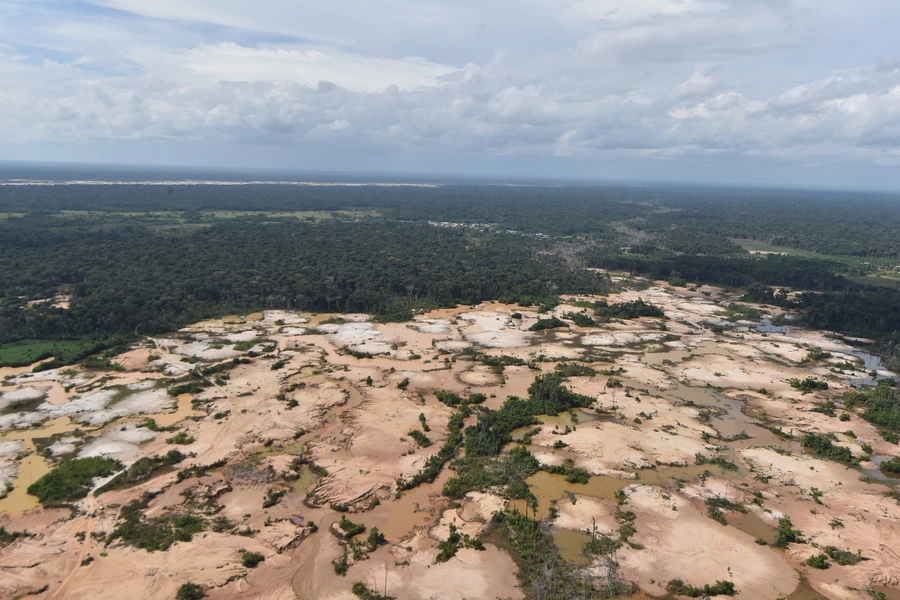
{"points": [[300, 417]]}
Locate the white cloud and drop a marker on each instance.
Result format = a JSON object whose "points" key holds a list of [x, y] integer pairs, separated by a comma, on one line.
{"points": [[649, 79]]}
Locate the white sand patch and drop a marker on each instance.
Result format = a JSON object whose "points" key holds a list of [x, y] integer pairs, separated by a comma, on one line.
{"points": [[64, 445], [452, 345], [433, 326], [202, 351], [25, 393], [121, 444], [145, 402], [89, 403], [286, 317], [9, 467], [292, 331], [362, 337], [244, 336], [145, 384], [493, 330]]}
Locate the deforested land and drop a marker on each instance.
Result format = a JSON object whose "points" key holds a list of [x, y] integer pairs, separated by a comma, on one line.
{"points": [[447, 391]]}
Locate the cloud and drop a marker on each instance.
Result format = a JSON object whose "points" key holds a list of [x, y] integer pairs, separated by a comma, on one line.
{"points": [[654, 80]]}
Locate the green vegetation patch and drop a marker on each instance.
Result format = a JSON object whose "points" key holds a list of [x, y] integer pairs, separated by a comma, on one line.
{"points": [[823, 447], [157, 533], [71, 480], [810, 384], [27, 352], [720, 588], [141, 470], [881, 403], [551, 323], [632, 309]]}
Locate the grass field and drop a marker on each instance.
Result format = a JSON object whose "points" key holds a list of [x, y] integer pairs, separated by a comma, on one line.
{"points": [[20, 354], [857, 262]]}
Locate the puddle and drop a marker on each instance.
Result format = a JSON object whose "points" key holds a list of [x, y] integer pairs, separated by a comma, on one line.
{"points": [[879, 473], [658, 359], [805, 592], [665, 475], [300, 486], [33, 466], [891, 593], [570, 544], [184, 411], [765, 326], [547, 488], [396, 518], [751, 524]]}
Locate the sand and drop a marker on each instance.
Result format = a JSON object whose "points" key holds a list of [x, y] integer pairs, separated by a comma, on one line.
{"points": [[682, 390]]}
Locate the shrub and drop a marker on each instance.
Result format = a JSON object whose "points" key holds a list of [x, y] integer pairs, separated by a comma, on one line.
{"points": [[821, 446], [843, 557], [809, 384], [721, 588], [891, 466], [251, 559], [190, 591], [551, 323], [181, 438], [349, 528], [818, 561], [786, 533], [361, 591], [421, 439]]}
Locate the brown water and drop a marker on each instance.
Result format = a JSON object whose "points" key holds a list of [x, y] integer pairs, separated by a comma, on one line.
{"points": [[570, 544], [185, 410], [805, 592], [891, 593], [657, 359], [751, 524], [548, 488], [304, 483], [33, 466]]}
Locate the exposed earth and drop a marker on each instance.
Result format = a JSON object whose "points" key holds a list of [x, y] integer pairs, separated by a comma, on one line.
{"points": [[308, 417]]}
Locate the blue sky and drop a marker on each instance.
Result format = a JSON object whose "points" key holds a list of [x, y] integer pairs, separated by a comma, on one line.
{"points": [[796, 92]]}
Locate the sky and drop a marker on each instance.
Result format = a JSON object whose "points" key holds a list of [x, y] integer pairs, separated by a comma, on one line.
{"points": [[783, 92]]}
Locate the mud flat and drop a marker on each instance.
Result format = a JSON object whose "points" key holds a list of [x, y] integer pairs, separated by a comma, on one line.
{"points": [[288, 422]]}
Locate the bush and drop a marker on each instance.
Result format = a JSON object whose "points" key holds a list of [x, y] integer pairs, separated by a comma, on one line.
{"points": [[809, 384], [822, 447], [349, 528], [190, 591], [141, 470], [891, 466], [181, 438], [251, 559], [786, 533], [843, 557], [627, 310], [579, 318], [361, 591], [421, 439], [71, 480], [551, 323], [818, 561], [721, 588]]}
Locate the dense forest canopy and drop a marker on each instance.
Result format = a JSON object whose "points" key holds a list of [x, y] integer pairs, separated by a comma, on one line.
{"points": [[140, 259]]}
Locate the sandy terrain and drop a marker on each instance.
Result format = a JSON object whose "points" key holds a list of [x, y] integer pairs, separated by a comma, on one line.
{"points": [[343, 394]]}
